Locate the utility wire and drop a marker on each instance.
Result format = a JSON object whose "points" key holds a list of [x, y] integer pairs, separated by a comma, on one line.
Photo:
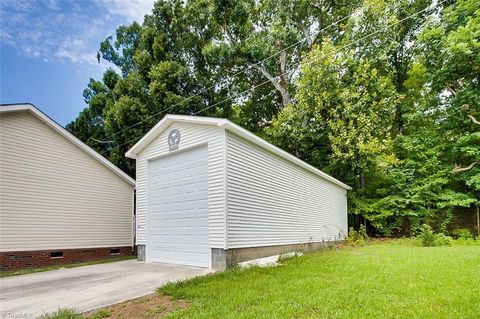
{"points": [[309, 62], [196, 113], [334, 51], [250, 66]]}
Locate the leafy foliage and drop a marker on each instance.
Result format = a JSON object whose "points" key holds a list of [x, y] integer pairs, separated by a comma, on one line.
{"points": [[357, 238], [382, 95], [401, 130], [428, 238], [462, 233]]}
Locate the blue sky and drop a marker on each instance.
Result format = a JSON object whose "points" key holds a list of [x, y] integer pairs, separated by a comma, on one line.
{"points": [[48, 49]]}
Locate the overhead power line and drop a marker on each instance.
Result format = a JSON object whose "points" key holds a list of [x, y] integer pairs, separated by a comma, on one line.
{"points": [[334, 51], [249, 67], [308, 62]]}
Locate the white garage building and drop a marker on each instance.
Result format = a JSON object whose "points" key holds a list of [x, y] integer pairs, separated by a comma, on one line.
{"points": [[210, 194]]}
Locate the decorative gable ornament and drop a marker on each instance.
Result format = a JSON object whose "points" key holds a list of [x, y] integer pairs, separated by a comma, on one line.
{"points": [[173, 139]]}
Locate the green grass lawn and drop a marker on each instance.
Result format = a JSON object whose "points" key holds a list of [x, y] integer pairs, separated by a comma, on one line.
{"points": [[382, 280]]}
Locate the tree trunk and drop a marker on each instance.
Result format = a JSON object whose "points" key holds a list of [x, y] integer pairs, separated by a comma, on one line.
{"points": [[362, 181], [362, 186], [398, 120], [408, 223], [283, 79], [285, 97], [478, 221], [279, 82]]}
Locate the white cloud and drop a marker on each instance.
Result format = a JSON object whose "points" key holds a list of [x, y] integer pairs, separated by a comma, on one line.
{"points": [[74, 50], [129, 9], [67, 30], [52, 5], [6, 37]]}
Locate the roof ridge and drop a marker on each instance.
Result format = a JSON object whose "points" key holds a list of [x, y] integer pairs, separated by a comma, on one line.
{"points": [[234, 128]]}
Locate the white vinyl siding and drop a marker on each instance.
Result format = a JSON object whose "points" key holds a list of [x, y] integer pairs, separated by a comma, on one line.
{"points": [[53, 195], [274, 202], [192, 135]]}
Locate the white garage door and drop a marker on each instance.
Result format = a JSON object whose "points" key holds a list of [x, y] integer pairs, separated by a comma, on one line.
{"points": [[178, 214]]}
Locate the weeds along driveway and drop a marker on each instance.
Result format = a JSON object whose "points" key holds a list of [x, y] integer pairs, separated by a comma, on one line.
{"points": [[87, 287]]}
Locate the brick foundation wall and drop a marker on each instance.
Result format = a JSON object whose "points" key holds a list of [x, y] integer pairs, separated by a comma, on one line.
{"points": [[37, 258]]}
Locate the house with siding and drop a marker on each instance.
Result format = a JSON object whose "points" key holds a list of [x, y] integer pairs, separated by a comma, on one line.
{"points": [[211, 194], [60, 201]]}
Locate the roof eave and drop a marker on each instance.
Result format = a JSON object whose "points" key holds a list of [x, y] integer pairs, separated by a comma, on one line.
{"points": [[236, 129], [147, 138], [163, 124]]}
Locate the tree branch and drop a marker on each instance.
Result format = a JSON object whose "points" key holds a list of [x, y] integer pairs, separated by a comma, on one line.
{"points": [[451, 90], [266, 74], [227, 32], [102, 142], [474, 120], [283, 80], [459, 169], [276, 83]]}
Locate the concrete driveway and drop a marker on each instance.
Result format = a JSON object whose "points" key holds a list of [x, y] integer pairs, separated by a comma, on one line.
{"points": [[86, 287]]}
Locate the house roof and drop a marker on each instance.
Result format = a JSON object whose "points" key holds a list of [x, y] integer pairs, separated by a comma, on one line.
{"points": [[232, 127], [27, 107]]}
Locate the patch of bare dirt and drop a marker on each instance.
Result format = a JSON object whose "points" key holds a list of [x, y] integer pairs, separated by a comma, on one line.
{"points": [[151, 306]]}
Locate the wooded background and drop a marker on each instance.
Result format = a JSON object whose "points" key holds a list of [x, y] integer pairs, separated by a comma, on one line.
{"points": [[383, 95]]}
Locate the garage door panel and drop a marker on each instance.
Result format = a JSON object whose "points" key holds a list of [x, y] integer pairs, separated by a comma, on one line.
{"points": [[172, 245], [177, 211], [173, 194], [179, 230], [188, 258], [180, 214], [184, 222], [178, 208], [176, 195]]}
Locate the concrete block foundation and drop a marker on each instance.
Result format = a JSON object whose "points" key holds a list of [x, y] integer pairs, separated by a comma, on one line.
{"points": [[223, 259], [141, 252], [219, 259]]}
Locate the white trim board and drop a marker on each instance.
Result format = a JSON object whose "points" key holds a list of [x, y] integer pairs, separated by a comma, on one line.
{"points": [[226, 124], [4, 108]]}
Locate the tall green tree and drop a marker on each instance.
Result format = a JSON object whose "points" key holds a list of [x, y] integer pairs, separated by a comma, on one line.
{"points": [[426, 66], [384, 95], [188, 56], [282, 31], [161, 68], [341, 121], [440, 93]]}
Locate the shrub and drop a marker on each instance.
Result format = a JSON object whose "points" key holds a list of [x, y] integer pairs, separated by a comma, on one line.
{"points": [[442, 240], [357, 238], [362, 232], [462, 233], [62, 313], [429, 239], [426, 236]]}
